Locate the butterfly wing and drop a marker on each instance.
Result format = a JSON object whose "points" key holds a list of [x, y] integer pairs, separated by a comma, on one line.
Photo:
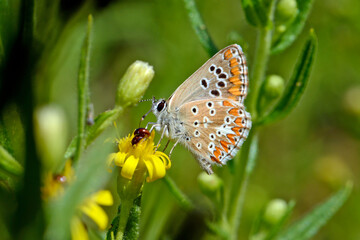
{"points": [[217, 128], [222, 76]]}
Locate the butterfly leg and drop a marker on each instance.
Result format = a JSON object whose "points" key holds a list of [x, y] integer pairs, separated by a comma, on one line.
{"points": [[151, 123], [174, 147], [162, 136], [167, 144]]}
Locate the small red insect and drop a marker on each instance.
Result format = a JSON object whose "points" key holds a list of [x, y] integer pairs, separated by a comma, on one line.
{"points": [[140, 134]]}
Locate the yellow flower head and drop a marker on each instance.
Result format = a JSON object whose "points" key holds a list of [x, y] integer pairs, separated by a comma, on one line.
{"points": [[54, 183], [91, 208], [134, 155]]}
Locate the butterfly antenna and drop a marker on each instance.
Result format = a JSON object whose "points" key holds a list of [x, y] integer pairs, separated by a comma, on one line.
{"points": [[143, 117]]}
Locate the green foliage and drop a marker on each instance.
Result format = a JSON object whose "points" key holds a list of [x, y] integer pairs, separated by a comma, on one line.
{"points": [[43, 50], [83, 89], [294, 29], [309, 225], [296, 85]]}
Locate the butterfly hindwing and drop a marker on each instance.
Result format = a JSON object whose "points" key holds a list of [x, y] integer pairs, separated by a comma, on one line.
{"points": [[216, 129]]}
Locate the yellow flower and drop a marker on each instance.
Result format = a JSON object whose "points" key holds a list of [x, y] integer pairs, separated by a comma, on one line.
{"points": [[54, 184], [91, 208], [134, 157]]}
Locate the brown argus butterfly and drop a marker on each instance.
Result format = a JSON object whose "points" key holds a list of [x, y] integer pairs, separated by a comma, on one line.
{"points": [[206, 113]]}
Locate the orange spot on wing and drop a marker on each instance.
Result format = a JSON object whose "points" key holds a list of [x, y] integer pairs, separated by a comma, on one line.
{"points": [[228, 54], [235, 71], [231, 138], [214, 159], [225, 145], [236, 130], [235, 80], [232, 98], [233, 62], [227, 104], [238, 122], [235, 91], [234, 111]]}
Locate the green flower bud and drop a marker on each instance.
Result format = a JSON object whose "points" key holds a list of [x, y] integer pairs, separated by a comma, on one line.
{"points": [[280, 29], [134, 83], [352, 101], [209, 184], [274, 86], [286, 10], [51, 135], [275, 210]]}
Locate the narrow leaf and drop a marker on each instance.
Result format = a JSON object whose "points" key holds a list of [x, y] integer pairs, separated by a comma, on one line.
{"points": [[102, 121], [8, 163], [83, 88], [309, 225], [294, 29], [200, 27], [296, 85], [250, 13]]}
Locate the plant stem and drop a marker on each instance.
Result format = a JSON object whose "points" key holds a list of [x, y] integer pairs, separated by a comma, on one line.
{"points": [[83, 89], [200, 27], [178, 194], [250, 154], [128, 191], [261, 58], [123, 219]]}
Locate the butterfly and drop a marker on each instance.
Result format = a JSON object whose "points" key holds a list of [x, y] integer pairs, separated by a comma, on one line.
{"points": [[206, 113]]}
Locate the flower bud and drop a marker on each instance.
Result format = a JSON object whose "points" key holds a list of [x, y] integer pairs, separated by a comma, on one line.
{"points": [[273, 86], [209, 184], [286, 10], [51, 135], [134, 83], [275, 210], [352, 101]]}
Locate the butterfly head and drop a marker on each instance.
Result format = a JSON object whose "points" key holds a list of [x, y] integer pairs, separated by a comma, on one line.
{"points": [[158, 106]]}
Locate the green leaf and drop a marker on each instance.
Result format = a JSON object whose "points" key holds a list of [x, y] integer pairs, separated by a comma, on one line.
{"points": [[200, 27], [91, 175], [102, 121], [181, 197], [255, 12], [309, 225], [83, 88], [293, 30], [8, 163], [296, 85]]}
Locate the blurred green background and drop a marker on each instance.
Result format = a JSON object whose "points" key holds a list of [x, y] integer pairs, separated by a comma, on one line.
{"points": [[305, 157]]}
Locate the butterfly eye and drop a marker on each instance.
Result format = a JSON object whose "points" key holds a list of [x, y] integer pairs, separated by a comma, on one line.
{"points": [[161, 106]]}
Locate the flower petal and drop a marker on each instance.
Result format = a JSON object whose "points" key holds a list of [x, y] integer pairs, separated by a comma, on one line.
{"points": [[78, 231], [159, 169], [96, 213], [103, 197], [164, 158], [150, 168], [120, 159], [129, 167]]}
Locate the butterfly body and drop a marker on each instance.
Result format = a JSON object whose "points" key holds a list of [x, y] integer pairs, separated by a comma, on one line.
{"points": [[206, 113]]}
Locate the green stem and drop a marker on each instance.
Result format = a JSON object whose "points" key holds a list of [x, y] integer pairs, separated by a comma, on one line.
{"points": [[128, 191], [249, 153], [200, 27], [261, 58], [178, 194], [123, 219], [83, 89]]}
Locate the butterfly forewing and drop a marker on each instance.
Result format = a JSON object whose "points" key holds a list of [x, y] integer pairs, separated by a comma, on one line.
{"points": [[223, 76]]}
